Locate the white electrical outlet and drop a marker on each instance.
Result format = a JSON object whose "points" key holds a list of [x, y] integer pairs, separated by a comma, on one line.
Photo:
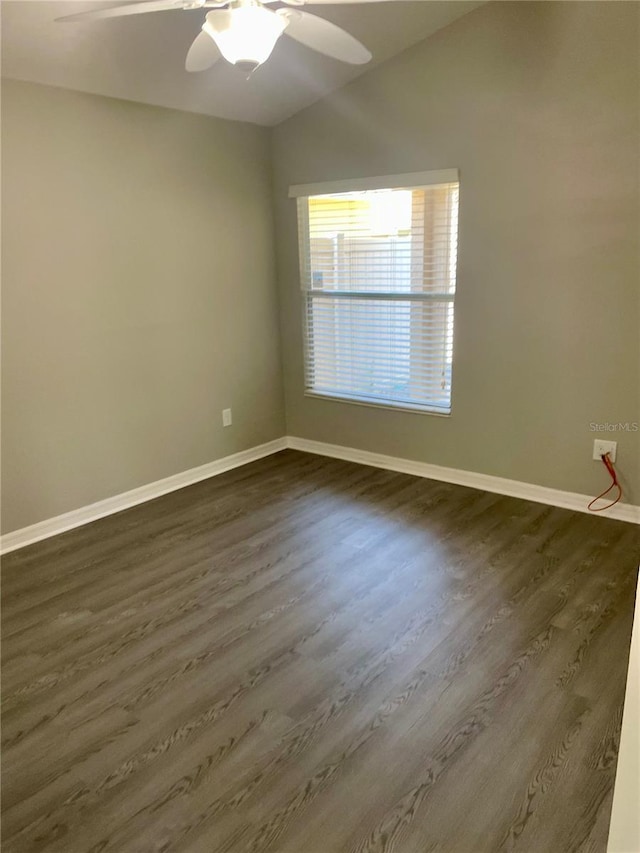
{"points": [[601, 447], [226, 417]]}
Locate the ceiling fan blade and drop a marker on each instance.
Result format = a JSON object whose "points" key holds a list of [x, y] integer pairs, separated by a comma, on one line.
{"points": [[333, 2], [324, 37], [203, 53], [129, 9]]}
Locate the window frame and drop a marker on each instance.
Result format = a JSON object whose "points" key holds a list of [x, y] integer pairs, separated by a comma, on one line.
{"points": [[409, 181]]}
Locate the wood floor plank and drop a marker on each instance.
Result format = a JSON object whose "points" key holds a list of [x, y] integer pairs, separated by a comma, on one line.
{"points": [[310, 656]]}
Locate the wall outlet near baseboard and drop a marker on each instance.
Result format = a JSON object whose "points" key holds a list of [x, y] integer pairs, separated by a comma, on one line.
{"points": [[226, 418], [601, 447]]}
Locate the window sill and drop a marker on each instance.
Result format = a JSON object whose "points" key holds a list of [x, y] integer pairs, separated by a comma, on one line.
{"points": [[374, 404]]}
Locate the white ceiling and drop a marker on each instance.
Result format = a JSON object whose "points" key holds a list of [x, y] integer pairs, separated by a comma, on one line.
{"points": [[141, 57]]}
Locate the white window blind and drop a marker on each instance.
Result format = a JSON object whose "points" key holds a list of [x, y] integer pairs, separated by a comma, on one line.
{"points": [[378, 270]]}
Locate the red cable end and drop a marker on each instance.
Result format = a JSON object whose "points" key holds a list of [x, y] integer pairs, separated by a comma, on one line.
{"points": [[608, 464]]}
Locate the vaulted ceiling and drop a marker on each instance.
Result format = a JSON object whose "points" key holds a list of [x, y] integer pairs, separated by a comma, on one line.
{"points": [[141, 57]]}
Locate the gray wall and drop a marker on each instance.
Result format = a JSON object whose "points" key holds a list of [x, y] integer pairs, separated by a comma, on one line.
{"points": [[537, 105], [138, 296]]}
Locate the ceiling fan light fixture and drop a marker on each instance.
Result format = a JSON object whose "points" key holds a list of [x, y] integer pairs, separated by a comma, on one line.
{"points": [[246, 34]]}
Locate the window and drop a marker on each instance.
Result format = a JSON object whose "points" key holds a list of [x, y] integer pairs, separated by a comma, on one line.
{"points": [[378, 271]]}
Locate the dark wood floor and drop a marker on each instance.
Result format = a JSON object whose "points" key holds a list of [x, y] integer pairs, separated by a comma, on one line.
{"points": [[310, 656]]}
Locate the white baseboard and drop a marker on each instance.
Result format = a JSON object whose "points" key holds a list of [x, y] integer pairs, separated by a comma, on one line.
{"points": [[486, 482], [624, 831], [513, 488], [77, 517]]}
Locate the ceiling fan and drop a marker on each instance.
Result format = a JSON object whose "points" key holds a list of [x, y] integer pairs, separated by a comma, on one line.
{"points": [[245, 32]]}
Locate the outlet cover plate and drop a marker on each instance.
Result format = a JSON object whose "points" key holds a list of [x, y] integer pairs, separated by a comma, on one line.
{"points": [[601, 447]]}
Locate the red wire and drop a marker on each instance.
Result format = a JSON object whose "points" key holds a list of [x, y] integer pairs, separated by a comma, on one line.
{"points": [[608, 464]]}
